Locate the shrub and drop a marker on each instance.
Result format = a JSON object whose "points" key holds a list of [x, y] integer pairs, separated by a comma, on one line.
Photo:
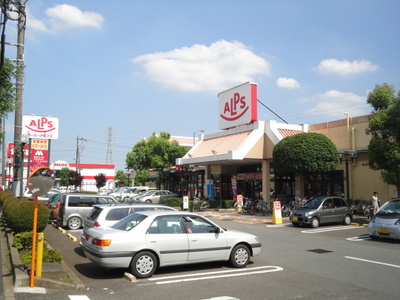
{"points": [[23, 243], [18, 214], [173, 202]]}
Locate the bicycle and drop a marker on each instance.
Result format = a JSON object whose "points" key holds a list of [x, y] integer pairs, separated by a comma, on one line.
{"points": [[358, 207], [199, 205], [259, 206]]}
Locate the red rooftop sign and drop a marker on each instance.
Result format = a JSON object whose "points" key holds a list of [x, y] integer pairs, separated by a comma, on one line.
{"points": [[238, 106]]}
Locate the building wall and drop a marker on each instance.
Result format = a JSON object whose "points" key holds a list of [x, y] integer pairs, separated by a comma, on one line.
{"points": [[350, 134]]}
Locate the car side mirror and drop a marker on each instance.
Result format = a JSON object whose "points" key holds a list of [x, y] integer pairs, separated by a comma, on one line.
{"points": [[217, 229]]}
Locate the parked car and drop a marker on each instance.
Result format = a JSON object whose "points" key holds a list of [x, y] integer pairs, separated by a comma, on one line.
{"points": [[155, 196], [386, 222], [52, 199], [74, 207], [106, 215], [147, 240], [320, 210]]}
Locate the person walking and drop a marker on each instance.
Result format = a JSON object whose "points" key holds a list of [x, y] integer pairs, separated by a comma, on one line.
{"points": [[374, 204]]}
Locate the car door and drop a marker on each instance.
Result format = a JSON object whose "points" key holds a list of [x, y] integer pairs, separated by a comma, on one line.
{"points": [[167, 236], [327, 211], [205, 244], [340, 209]]}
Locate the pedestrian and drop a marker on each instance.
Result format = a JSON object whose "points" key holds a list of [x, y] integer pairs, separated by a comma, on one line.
{"points": [[374, 204]]}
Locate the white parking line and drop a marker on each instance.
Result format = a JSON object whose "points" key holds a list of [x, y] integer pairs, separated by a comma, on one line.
{"points": [[327, 229], [78, 297], [214, 275], [373, 261], [359, 238]]}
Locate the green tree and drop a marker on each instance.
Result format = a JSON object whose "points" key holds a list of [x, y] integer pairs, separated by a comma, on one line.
{"points": [[384, 128], [156, 152], [64, 174], [305, 154], [7, 88], [120, 179], [100, 180], [141, 177]]}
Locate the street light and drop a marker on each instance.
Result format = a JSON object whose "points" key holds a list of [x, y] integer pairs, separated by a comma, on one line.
{"points": [[194, 135]]}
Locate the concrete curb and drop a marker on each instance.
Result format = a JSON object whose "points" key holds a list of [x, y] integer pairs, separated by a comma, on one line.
{"points": [[21, 275]]}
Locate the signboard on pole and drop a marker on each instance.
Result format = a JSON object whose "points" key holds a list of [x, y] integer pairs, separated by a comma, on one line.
{"points": [[40, 127]]}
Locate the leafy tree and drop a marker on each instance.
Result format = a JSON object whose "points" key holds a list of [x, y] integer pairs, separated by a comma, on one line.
{"points": [[305, 154], [7, 88], [74, 178], [156, 152], [141, 177], [120, 179], [384, 127], [100, 180], [64, 175]]}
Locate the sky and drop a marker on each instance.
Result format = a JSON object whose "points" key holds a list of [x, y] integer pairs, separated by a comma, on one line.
{"points": [[115, 72]]}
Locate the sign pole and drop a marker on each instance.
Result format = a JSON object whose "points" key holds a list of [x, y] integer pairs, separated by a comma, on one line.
{"points": [[34, 237]]}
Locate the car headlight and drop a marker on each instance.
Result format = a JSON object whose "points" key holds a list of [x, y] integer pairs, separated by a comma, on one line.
{"points": [[397, 222], [306, 214]]}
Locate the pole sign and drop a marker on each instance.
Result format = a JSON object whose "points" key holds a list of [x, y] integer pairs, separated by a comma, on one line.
{"points": [[40, 127], [238, 106], [39, 154]]}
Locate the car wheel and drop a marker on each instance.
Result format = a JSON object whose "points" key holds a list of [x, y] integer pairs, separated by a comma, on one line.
{"points": [[240, 256], [126, 199], [74, 223], [148, 201], [314, 222], [143, 264], [347, 220]]}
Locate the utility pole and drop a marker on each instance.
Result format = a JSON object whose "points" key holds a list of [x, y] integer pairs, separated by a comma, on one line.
{"points": [[18, 151], [78, 152]]}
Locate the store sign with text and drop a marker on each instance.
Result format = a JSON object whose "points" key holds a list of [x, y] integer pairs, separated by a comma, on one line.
{"points": [[238, 106], [39, 154], [40, 127]]}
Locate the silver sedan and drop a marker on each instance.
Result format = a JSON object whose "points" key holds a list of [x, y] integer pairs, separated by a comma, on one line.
{"points": [[144, 241], [386, 222]]}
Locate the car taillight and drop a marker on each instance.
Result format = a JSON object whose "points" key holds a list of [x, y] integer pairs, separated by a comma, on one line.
{"points": [[101, 243], [55, 206], [96, 224]]}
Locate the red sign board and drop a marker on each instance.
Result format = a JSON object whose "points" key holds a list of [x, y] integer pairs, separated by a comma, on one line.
{"points": [[39, 158], [10, 151]]}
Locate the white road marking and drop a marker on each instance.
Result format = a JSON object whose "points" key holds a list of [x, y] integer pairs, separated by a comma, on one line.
{"points": [[280, 225], [78, 297], [34, 290], [373, 262], [359, 238], [214, 275], [327, 229], [223, 298]]}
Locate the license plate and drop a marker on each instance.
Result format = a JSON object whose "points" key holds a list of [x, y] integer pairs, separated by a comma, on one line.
{"points": [[295, 218], [383, 230]]}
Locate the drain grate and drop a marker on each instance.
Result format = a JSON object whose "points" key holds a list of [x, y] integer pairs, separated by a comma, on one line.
{"points": [[319, 251]]}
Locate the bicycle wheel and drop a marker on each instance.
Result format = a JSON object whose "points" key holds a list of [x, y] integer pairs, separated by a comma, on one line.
{"points": [[263, 209], [251, 210], [366, 210]]}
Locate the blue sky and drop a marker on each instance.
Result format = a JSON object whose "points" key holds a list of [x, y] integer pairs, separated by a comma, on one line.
{"points": [[144, 66]]}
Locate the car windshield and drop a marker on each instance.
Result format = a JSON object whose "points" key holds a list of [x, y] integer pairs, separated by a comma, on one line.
{"points": [[129, 222], [390, 208], [313, 203]]}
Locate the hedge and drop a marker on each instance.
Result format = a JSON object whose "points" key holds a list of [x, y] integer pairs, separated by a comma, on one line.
{"points": [[18, 213]]}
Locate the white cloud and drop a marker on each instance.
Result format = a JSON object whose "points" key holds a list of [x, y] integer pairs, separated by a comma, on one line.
{"points": [[200, 68], [345, 67], [64, 16], [287, 83], [334, 103]]}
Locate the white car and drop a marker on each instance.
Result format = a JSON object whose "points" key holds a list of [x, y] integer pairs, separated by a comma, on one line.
{"points": [[106, 215], [146, 240], [386, 222], [154, 196]]}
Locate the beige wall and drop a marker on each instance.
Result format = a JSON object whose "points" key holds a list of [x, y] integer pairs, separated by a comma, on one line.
{"points": [[349, 134]]}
